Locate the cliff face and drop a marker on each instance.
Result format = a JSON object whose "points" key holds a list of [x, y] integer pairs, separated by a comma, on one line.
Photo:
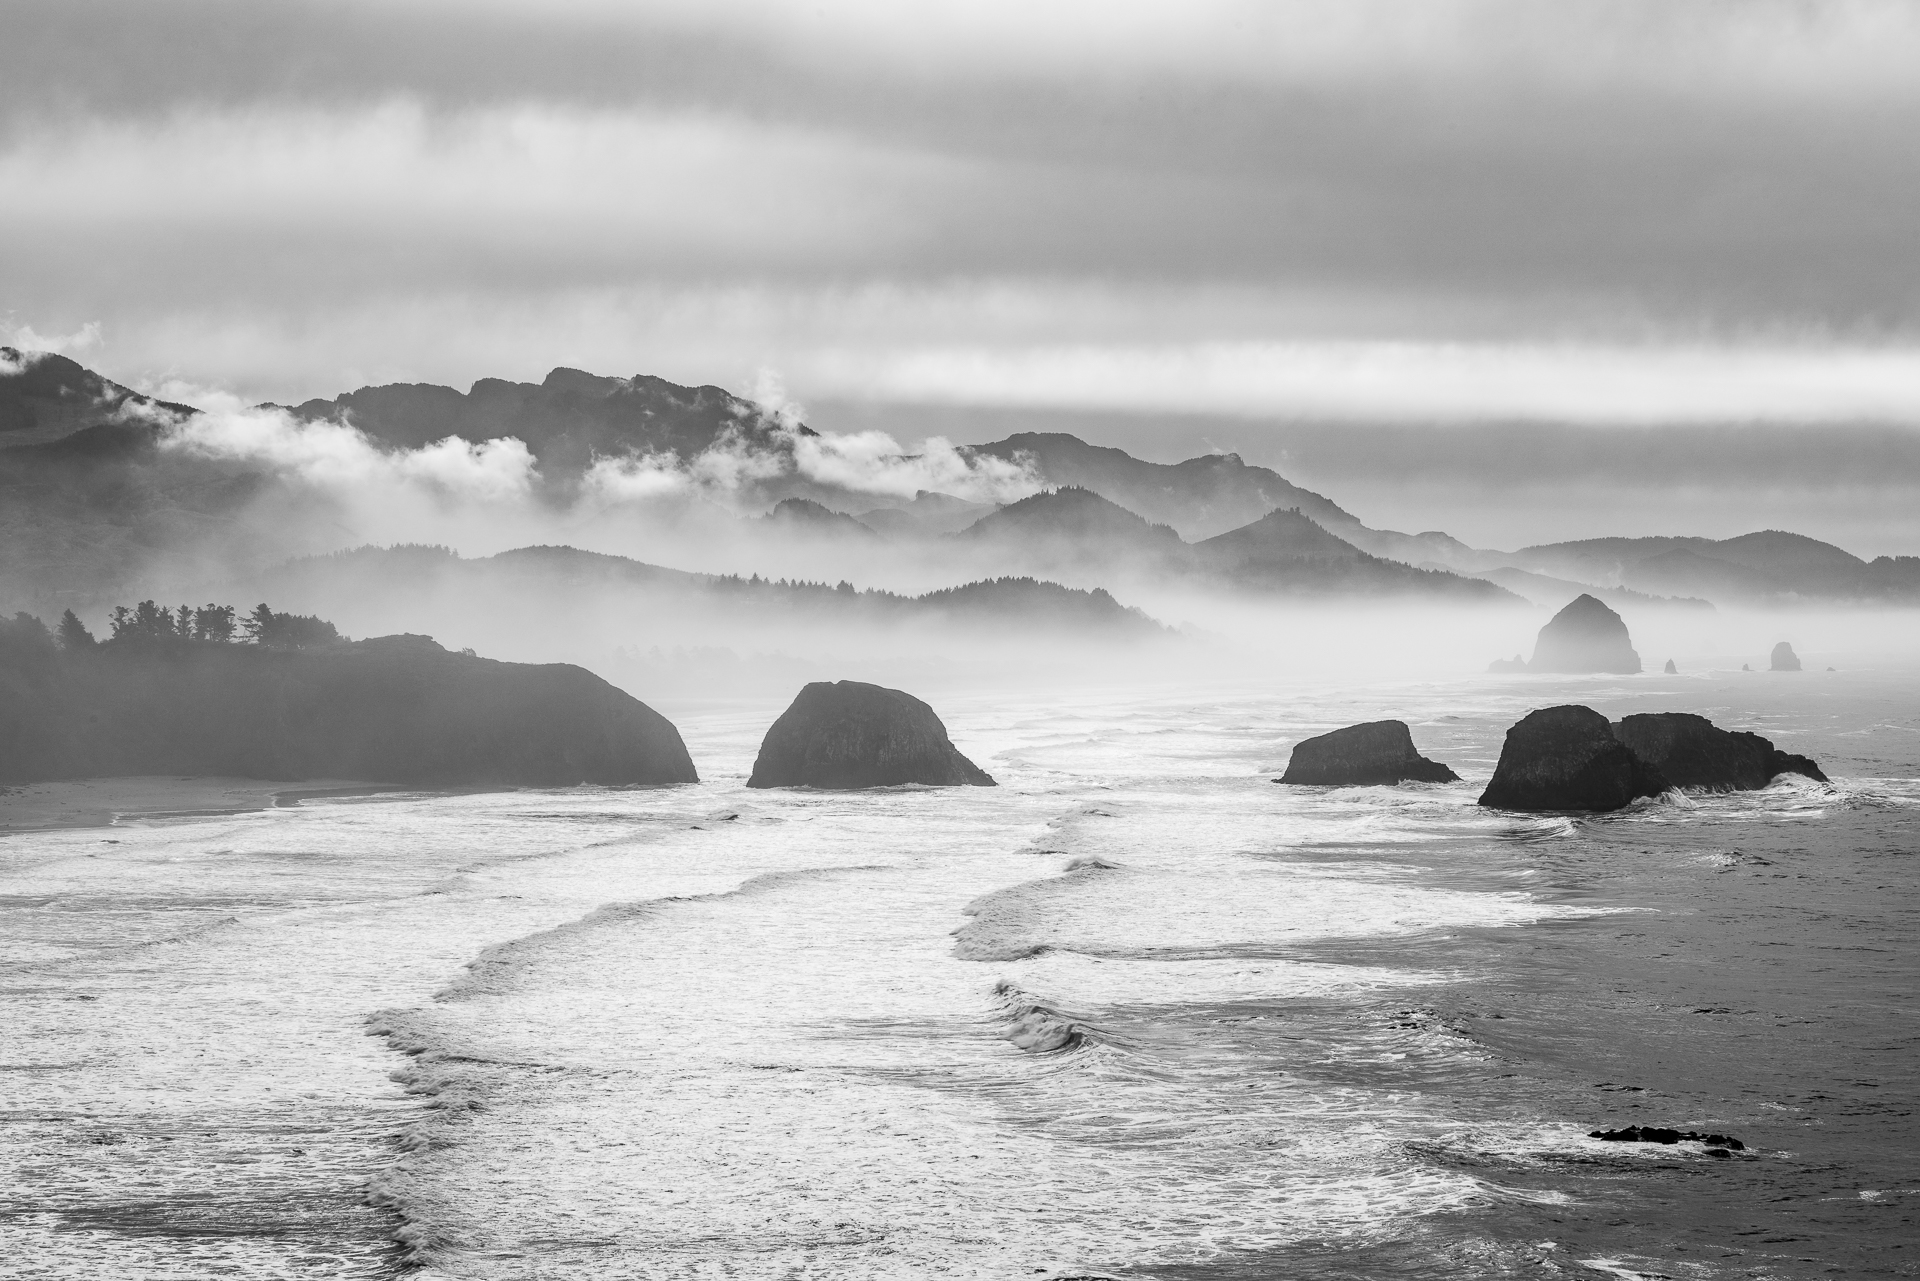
{"points": [[394, 709], [848, 734]]}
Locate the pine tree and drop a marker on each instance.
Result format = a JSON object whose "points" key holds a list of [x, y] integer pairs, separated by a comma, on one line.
{"points": [[73, 633]]}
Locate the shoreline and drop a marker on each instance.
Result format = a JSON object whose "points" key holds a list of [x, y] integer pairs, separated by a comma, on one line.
{"points": [[103, 802]]}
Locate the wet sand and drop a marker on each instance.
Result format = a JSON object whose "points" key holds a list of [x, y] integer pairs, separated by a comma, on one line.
{"points": [[99, 802]]}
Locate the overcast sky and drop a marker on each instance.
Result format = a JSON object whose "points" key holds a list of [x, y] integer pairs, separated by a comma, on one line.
{"points": [[1422, 211]]}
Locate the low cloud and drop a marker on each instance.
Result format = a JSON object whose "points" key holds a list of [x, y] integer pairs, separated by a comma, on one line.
{"points": [[30, 344], [1407, 382]]}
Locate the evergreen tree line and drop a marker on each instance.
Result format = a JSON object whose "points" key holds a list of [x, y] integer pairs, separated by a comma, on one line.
{"points": [[151, 623]]}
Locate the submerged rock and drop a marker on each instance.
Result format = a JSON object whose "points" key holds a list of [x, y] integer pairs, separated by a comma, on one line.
{"points": [[1670, 669], [1656, 1134], [1691, 751], [1378, 752], [847, 734], [1566, 758], [1586, 636], [1784, 659]]}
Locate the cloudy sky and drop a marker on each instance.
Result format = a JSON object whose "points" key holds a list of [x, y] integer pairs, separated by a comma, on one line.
{"points": [[1630, 214]]}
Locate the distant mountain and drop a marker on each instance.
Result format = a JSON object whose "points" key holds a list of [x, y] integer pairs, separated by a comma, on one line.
{"points": [[89, 507], [45, 398], [1200, 497], [1075, 528], [1544, 589], [929, 514], [1286, 550], [554, 584], [808, 518], [566, 420], [1770, 566]]}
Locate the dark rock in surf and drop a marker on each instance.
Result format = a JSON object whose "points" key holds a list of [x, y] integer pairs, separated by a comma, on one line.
{"points": [[847, 734], [1378, 752], [1656, 1134], [1784, 659], [1566, 758], [1670, 669], [1586, 636], [1691, 751]]}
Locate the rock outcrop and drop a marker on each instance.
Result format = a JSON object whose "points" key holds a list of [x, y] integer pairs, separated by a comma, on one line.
{"points": [[1670, 669], [395, 709], [848, 734], [1378, 752], [1691, 751], [1784, 659], [1586, 636], [1659, 1134], [1566, 758]]}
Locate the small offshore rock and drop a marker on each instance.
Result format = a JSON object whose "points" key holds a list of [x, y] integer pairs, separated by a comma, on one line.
{"points": [[1656, 1134], [1784, 659], [1670, 669], [847, 735], [1567, 758], [1375, 753]]}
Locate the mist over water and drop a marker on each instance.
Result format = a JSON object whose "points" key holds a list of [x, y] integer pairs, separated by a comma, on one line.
{"points": [[1136, 1012]]}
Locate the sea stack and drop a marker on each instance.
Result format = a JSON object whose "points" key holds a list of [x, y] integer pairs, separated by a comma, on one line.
{"points": [[1586, 636], [1566, 758], [1376, 753], [846, 735], [1670, 669], [1784, 659], [1691, 751]]}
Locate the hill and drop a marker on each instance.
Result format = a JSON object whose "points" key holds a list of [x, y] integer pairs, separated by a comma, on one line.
{"points": [[397, 709]]}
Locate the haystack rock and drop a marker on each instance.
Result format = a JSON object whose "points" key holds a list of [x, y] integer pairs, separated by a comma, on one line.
{"points": [[847, 734], [1378, 752], [1784, 659], [1670, 669], [1566, 758], [1691, 751], [1586, 636]]}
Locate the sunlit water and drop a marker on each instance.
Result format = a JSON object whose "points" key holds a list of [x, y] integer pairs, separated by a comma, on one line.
{"points": [[1136, 1012]]}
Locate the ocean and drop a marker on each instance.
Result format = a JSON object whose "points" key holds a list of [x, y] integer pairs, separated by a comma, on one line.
{"points": [[1137, 1012]]}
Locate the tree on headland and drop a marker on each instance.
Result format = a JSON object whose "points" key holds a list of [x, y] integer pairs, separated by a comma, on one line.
{"points": [[73, 633], [288, 631], [144, 622], [148, 623], [214, 623]]}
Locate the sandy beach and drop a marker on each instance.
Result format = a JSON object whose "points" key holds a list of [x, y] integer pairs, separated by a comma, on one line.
{"points": [[99, 802]]}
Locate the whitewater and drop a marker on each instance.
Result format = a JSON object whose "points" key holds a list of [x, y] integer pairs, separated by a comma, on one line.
{"points": [[1136, 1012]]}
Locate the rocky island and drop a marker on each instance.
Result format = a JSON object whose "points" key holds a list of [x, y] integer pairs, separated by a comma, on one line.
{"points": [[1378, 752], [1567, 758], [845, 735], [1691, 751]]}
